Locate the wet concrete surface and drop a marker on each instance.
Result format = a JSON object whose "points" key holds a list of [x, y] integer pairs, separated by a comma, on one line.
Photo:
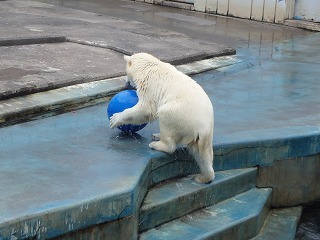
{"points": [[309, 225], [71, 158], [24, 22], [78, 159], [74, 159], [230, 32], [272, 93]]}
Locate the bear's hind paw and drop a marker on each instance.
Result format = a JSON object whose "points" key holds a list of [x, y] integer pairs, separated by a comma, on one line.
{"points": [[156, 137], [200, 178]]}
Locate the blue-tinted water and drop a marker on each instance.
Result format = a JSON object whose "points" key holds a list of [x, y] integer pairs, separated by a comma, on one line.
{"points": [[309, 225]]}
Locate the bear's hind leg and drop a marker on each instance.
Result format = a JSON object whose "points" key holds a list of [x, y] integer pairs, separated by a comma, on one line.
{"points": [[165, 141], [165, 146], [204, 160], [207, 172]]}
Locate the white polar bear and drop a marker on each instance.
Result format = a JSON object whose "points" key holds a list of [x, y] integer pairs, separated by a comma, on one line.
{"points": [[184, 110]]}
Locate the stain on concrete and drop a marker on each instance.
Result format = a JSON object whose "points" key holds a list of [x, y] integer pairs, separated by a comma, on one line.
{"points": [[12, 73]]}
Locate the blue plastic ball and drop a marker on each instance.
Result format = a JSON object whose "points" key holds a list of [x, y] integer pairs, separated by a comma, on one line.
{"points": [[121, 101]]}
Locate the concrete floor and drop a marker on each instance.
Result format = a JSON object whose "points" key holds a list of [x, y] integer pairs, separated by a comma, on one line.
{"points": [[73, 161], [95, 42], [233, 32]]}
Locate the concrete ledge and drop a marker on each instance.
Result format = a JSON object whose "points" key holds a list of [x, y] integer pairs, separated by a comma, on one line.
{"points": [[123, 228], [179, 59], [176, 198], [34, 68], [272, 145], [282, 162], [236, 149], [57, 101], [55, 222], [96, 43], [74, 159], [313, 26], [60, 217], [32, 40], [176, 4], [281, 224], [240, 217]]}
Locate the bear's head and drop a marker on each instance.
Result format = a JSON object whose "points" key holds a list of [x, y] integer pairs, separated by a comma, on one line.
{"points": [[137, 67], [129, 81]]}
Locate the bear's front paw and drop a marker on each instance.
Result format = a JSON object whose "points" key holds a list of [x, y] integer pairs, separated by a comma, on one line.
{"points": [[116, 120]]}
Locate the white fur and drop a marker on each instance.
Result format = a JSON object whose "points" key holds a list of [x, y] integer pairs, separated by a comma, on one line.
{"points": [[184, 110]]}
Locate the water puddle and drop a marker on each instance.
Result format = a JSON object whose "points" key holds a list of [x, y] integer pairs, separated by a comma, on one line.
{"points": [[309, 225]]}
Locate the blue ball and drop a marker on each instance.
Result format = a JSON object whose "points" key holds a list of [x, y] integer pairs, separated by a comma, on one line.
{"points": [[121, 101]]}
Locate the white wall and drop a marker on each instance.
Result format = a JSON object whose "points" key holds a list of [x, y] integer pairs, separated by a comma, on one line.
{"points": [[262, 10], [308, 10]]}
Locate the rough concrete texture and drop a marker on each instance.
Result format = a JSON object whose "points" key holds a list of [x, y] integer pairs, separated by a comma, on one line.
{"points": [[71, 171], [120, 229], [240, 218], [37, 20], [204, 27], [314, 26], [56, 101], [281, 224], [298, 182], [25, 69], [173, 199], [80, 161], [64, 186]]}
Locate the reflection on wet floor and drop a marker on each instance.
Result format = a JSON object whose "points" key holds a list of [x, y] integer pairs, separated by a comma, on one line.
{"points": [[263, 94], [222, 30]]}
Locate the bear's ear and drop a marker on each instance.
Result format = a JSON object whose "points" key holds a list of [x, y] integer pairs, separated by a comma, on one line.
{"points": [[128, 60]]}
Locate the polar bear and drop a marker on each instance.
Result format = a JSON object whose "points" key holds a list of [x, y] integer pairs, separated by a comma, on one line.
{"points": [[184, 110]]}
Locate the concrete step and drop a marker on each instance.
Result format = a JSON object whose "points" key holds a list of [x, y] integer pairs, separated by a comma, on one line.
{"points": [[313, 26], [69, 98], [239, 217], [176, 4], [281, 224], [173, 199]]}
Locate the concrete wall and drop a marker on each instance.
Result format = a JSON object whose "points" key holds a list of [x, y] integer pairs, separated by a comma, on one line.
{"points": [[294, 181], [275, 11], [307, 10]]}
